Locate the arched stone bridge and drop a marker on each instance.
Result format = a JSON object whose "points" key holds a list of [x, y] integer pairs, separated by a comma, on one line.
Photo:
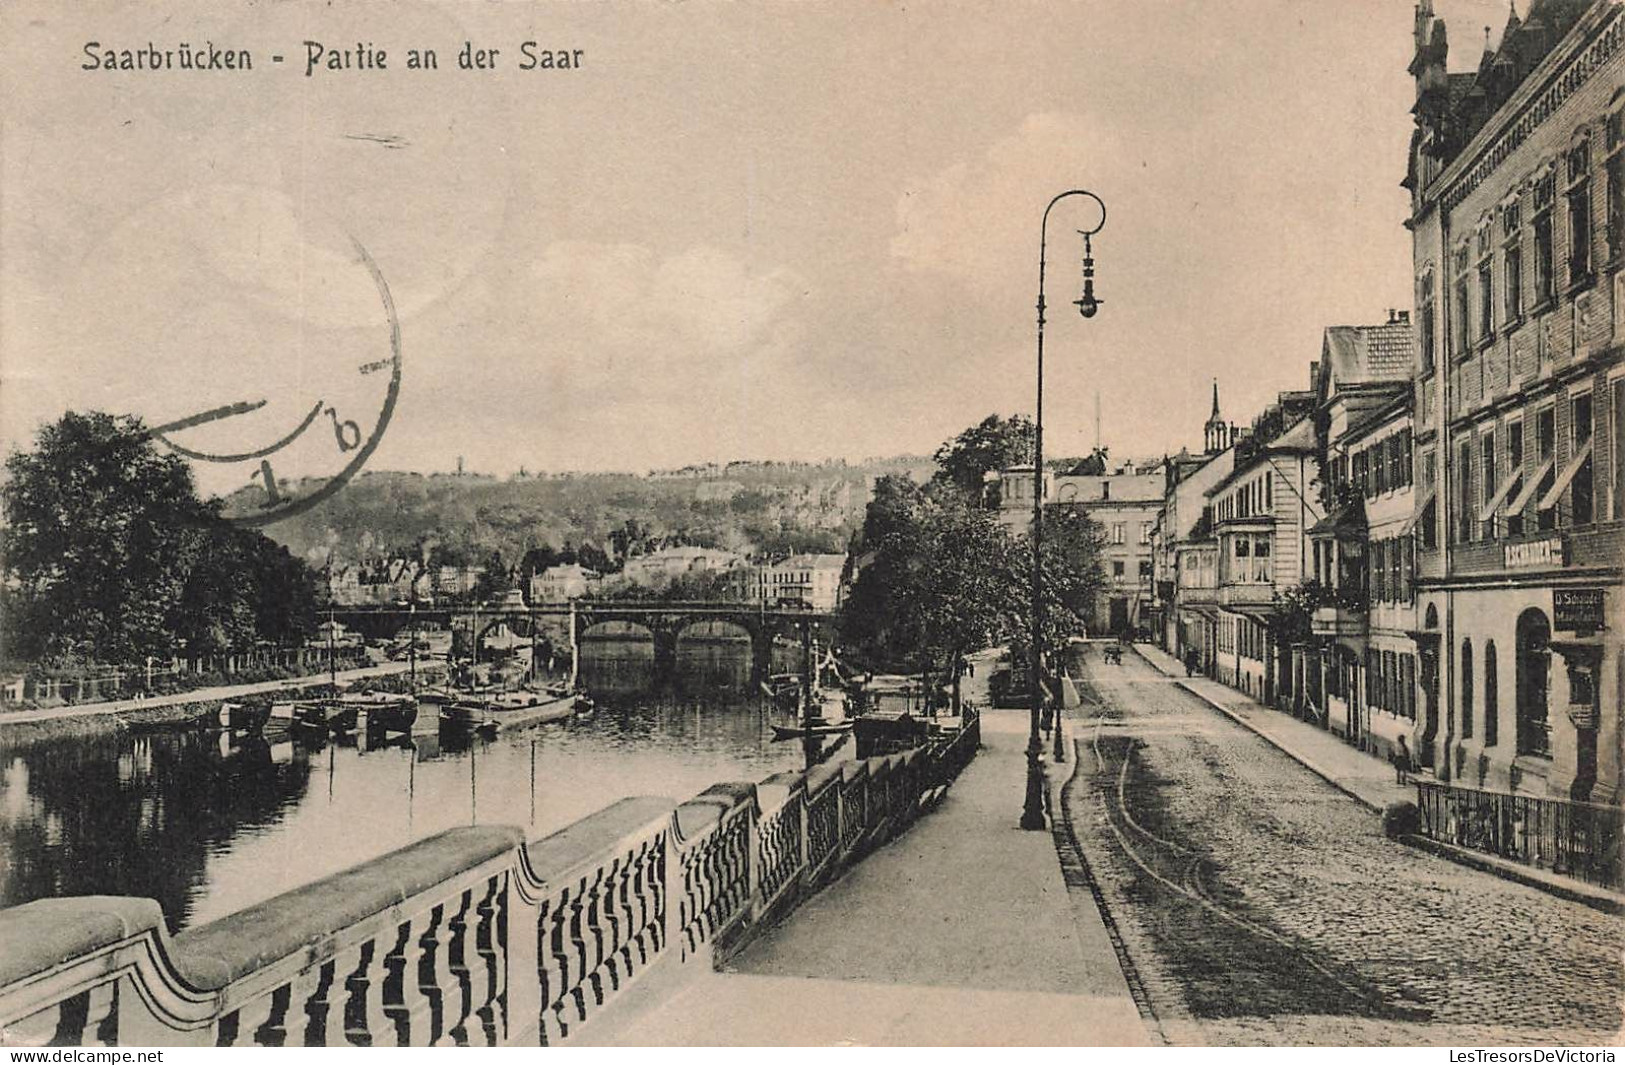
{"points": [[665, 621]]}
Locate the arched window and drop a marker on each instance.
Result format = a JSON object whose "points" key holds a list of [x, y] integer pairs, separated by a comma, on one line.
{"points": [[1492, 697], [1466, 689], [1533, 677]]}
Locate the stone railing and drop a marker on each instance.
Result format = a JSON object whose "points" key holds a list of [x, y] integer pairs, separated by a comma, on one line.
{"points": [[470, 937]]}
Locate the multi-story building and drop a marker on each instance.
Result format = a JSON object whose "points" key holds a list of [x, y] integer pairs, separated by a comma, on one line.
{"points": [[1518, 228], [1125, 504], [1363, 553], [811, 581], [562, 583], [1185, 562], [1261, 513]]}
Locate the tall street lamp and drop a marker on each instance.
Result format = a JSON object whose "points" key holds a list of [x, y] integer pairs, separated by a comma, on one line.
{"points": [[1032, 814]]}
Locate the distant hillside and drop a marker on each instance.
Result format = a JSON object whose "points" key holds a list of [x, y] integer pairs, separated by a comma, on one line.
{"points": [[747, 507]]}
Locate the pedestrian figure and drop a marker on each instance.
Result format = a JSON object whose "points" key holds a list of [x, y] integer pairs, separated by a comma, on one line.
{"points": [[1192, 661], [1402, 762]]}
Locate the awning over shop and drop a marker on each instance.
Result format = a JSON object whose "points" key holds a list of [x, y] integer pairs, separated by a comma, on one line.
{"points": [[1487, 512], [1259, 613], [1521, 500], [1348, 522], [1549, 500]]}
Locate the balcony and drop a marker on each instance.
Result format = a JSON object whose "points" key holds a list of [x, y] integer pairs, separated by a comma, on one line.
{"points": [[1246, 594]]}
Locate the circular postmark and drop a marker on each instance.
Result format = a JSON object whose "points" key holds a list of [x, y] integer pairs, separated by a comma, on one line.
{"points": [[336, 432]]}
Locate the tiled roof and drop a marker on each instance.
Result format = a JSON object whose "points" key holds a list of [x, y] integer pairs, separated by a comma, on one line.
{"points": [[1355, 354]]}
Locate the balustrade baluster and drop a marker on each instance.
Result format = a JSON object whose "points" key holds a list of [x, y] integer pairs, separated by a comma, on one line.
{"points": [[321, 1006], [263, 1021], [459, 998], [490, 940]]}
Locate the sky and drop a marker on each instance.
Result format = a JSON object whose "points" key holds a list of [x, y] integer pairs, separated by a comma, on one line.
{"points": [[760, 230]]}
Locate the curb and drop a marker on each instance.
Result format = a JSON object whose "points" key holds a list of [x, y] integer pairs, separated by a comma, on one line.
{"points": [[1598, 899], [1267, 738], [1261, 734]]}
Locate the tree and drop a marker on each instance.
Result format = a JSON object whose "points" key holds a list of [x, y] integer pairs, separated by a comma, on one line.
{"points": [[493, 580], [115, 557], [993, 444]]}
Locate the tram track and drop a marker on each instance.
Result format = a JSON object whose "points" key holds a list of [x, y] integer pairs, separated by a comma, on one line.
{"points": [[1185, 879]]}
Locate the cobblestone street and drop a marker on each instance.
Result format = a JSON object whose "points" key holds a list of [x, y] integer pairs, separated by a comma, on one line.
{"points": [[1255, 903]]}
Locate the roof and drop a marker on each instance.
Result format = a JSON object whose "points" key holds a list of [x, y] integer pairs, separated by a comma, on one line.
{"points": [[1362, 354]]}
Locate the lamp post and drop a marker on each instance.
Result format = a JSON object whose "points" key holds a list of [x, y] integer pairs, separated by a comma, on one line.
{"points": [[1032, 814]]}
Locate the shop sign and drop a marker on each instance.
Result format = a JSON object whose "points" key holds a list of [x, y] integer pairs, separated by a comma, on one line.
{"points": [[1547, 552], [1577, 609]]}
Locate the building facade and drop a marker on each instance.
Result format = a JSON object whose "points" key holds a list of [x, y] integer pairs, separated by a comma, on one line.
{"points": [[1125, 504], [1261, 514], [1518, 238]]}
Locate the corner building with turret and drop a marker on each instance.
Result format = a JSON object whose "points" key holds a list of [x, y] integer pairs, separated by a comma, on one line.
{"points": [[1518, 242]]}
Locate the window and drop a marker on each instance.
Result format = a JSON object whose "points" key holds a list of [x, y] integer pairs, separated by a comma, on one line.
{"points": [[1145, 532], [1269, 490], [1394, 572], [1407, 569], [1487, 481], [1117, 532], [1466, 689], [1396, 467], [1512, 262], [1492, 697], [1424, 314], [1407, 685], [1615, 186], [1376, 571], [1361, 466], [1463, 318], [1545, 284], [1486, 296], [1545, 443], [1117, 568], [1579, 197], [1379, 470], [1464, 492], [1582, 500], [1514, 462], [1617, 385], [1145, 568]]}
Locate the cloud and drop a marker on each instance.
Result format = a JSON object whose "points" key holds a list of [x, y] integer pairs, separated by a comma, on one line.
{"points": [[976, 219]]}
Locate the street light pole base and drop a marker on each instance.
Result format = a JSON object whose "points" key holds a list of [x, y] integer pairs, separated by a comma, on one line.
{"points": [[1032, 813]]}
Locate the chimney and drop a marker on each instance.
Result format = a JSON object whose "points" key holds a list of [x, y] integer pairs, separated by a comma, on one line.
{"points": [[1314, 375], [1404, 317], [1391, 316]]}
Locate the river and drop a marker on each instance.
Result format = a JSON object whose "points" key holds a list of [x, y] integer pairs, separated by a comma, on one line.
{"points": [[207, 825]]}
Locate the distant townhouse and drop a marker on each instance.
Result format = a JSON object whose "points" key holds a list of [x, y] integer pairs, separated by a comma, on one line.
{"points": [[1125, 504], [562, 583], [1517, 182], [1360, 682], [810, 581], [1185, 561], [1261, 513]]}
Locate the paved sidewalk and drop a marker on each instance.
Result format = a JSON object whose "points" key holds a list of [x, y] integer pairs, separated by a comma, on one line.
{"points": [[959, 932], [1359, 775]]}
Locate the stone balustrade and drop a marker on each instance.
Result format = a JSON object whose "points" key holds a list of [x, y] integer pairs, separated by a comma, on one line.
{"points": [[471, 937]]}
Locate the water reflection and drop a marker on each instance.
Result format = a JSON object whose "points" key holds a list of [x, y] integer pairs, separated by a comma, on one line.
{"points": [[208, 824]]}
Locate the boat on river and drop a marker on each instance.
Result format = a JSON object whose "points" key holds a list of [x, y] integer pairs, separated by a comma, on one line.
{"points": [[382, 711], [244, 717], [495, 711]]}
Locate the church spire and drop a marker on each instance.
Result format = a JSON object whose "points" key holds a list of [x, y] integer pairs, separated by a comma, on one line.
{"points": [[1215, 413]]}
